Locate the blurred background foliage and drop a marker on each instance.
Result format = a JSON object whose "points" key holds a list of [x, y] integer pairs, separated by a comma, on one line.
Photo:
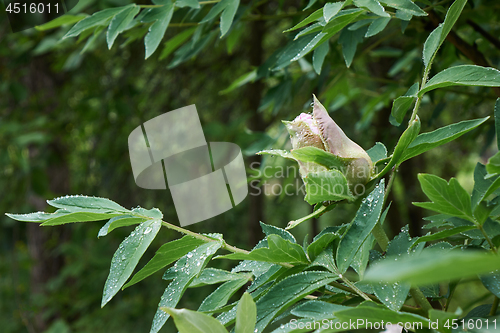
{"points": [[68, 106]]}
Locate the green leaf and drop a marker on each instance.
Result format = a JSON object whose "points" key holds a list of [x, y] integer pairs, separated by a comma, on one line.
{"points": [[342, 19], [430, 140], [372, 5], [127, 256], [216, 10], [241, 81], [279, 250], [311, 18], [188, 321], [434, 266], [317, 310], [319, 56], [443, 234], [403, 103], [491, 282], [371, 312], [227, 16], [465, 75], [292, 49], [330, 185], [447, 198], [75, 203], [187, 3], [272, 230], [331, 9], [60, 21], [278, 152], [377, 26], [79, 217], [166, 254], [213, 276], [185, 269], [493, 166], [483, 186], [317, 246], [437, 37], [349, 39], [497, 122], [172, 44], [246, 314], [406, 6], [377, 152], [319, 156], [222, 294], [120, 22], [358, 230], [119, 221], [100, 18], [287, 292], [157, 30]]}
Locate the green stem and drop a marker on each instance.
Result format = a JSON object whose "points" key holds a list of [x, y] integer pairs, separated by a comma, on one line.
{"points": [[488, 239], [316, 213], [420, 299], [494, 307], [453, 287]]}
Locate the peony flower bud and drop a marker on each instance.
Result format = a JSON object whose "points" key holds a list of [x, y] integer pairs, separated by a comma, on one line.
{"points": [[320, 131]]}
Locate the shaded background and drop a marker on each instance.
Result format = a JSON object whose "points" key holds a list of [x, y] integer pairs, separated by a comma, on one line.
{"points": [[65, 116]]}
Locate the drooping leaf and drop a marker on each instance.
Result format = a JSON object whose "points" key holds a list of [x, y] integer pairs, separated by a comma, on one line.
{"points": [[319, 56], [188, 321], [127, 256], [447, 198], [246, 315], [433, 266], [464, 75], [227, 16], [279, 250], [349, 39], [163, 15], [286, 292], [358, 230], [377, 26], [166, 254], [185, 270], [120, 22]]}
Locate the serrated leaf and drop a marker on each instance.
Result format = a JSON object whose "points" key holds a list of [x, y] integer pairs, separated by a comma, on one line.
{"points": [[491, 282], [246, 314], [287, 292], [188, 321], [330, 185], [227, 16], [279, 250], [430, 140], [319, 56], [447, 198], [119, 221], [317, 310], [403, 103], [127, 256], [434, 266], [99, 18], [185, 269], [60, 21], [358, 230], [222, 294], [372, 5], [406, 6], [166, 254], [464, 75], [120, 22], [158, 28]]}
